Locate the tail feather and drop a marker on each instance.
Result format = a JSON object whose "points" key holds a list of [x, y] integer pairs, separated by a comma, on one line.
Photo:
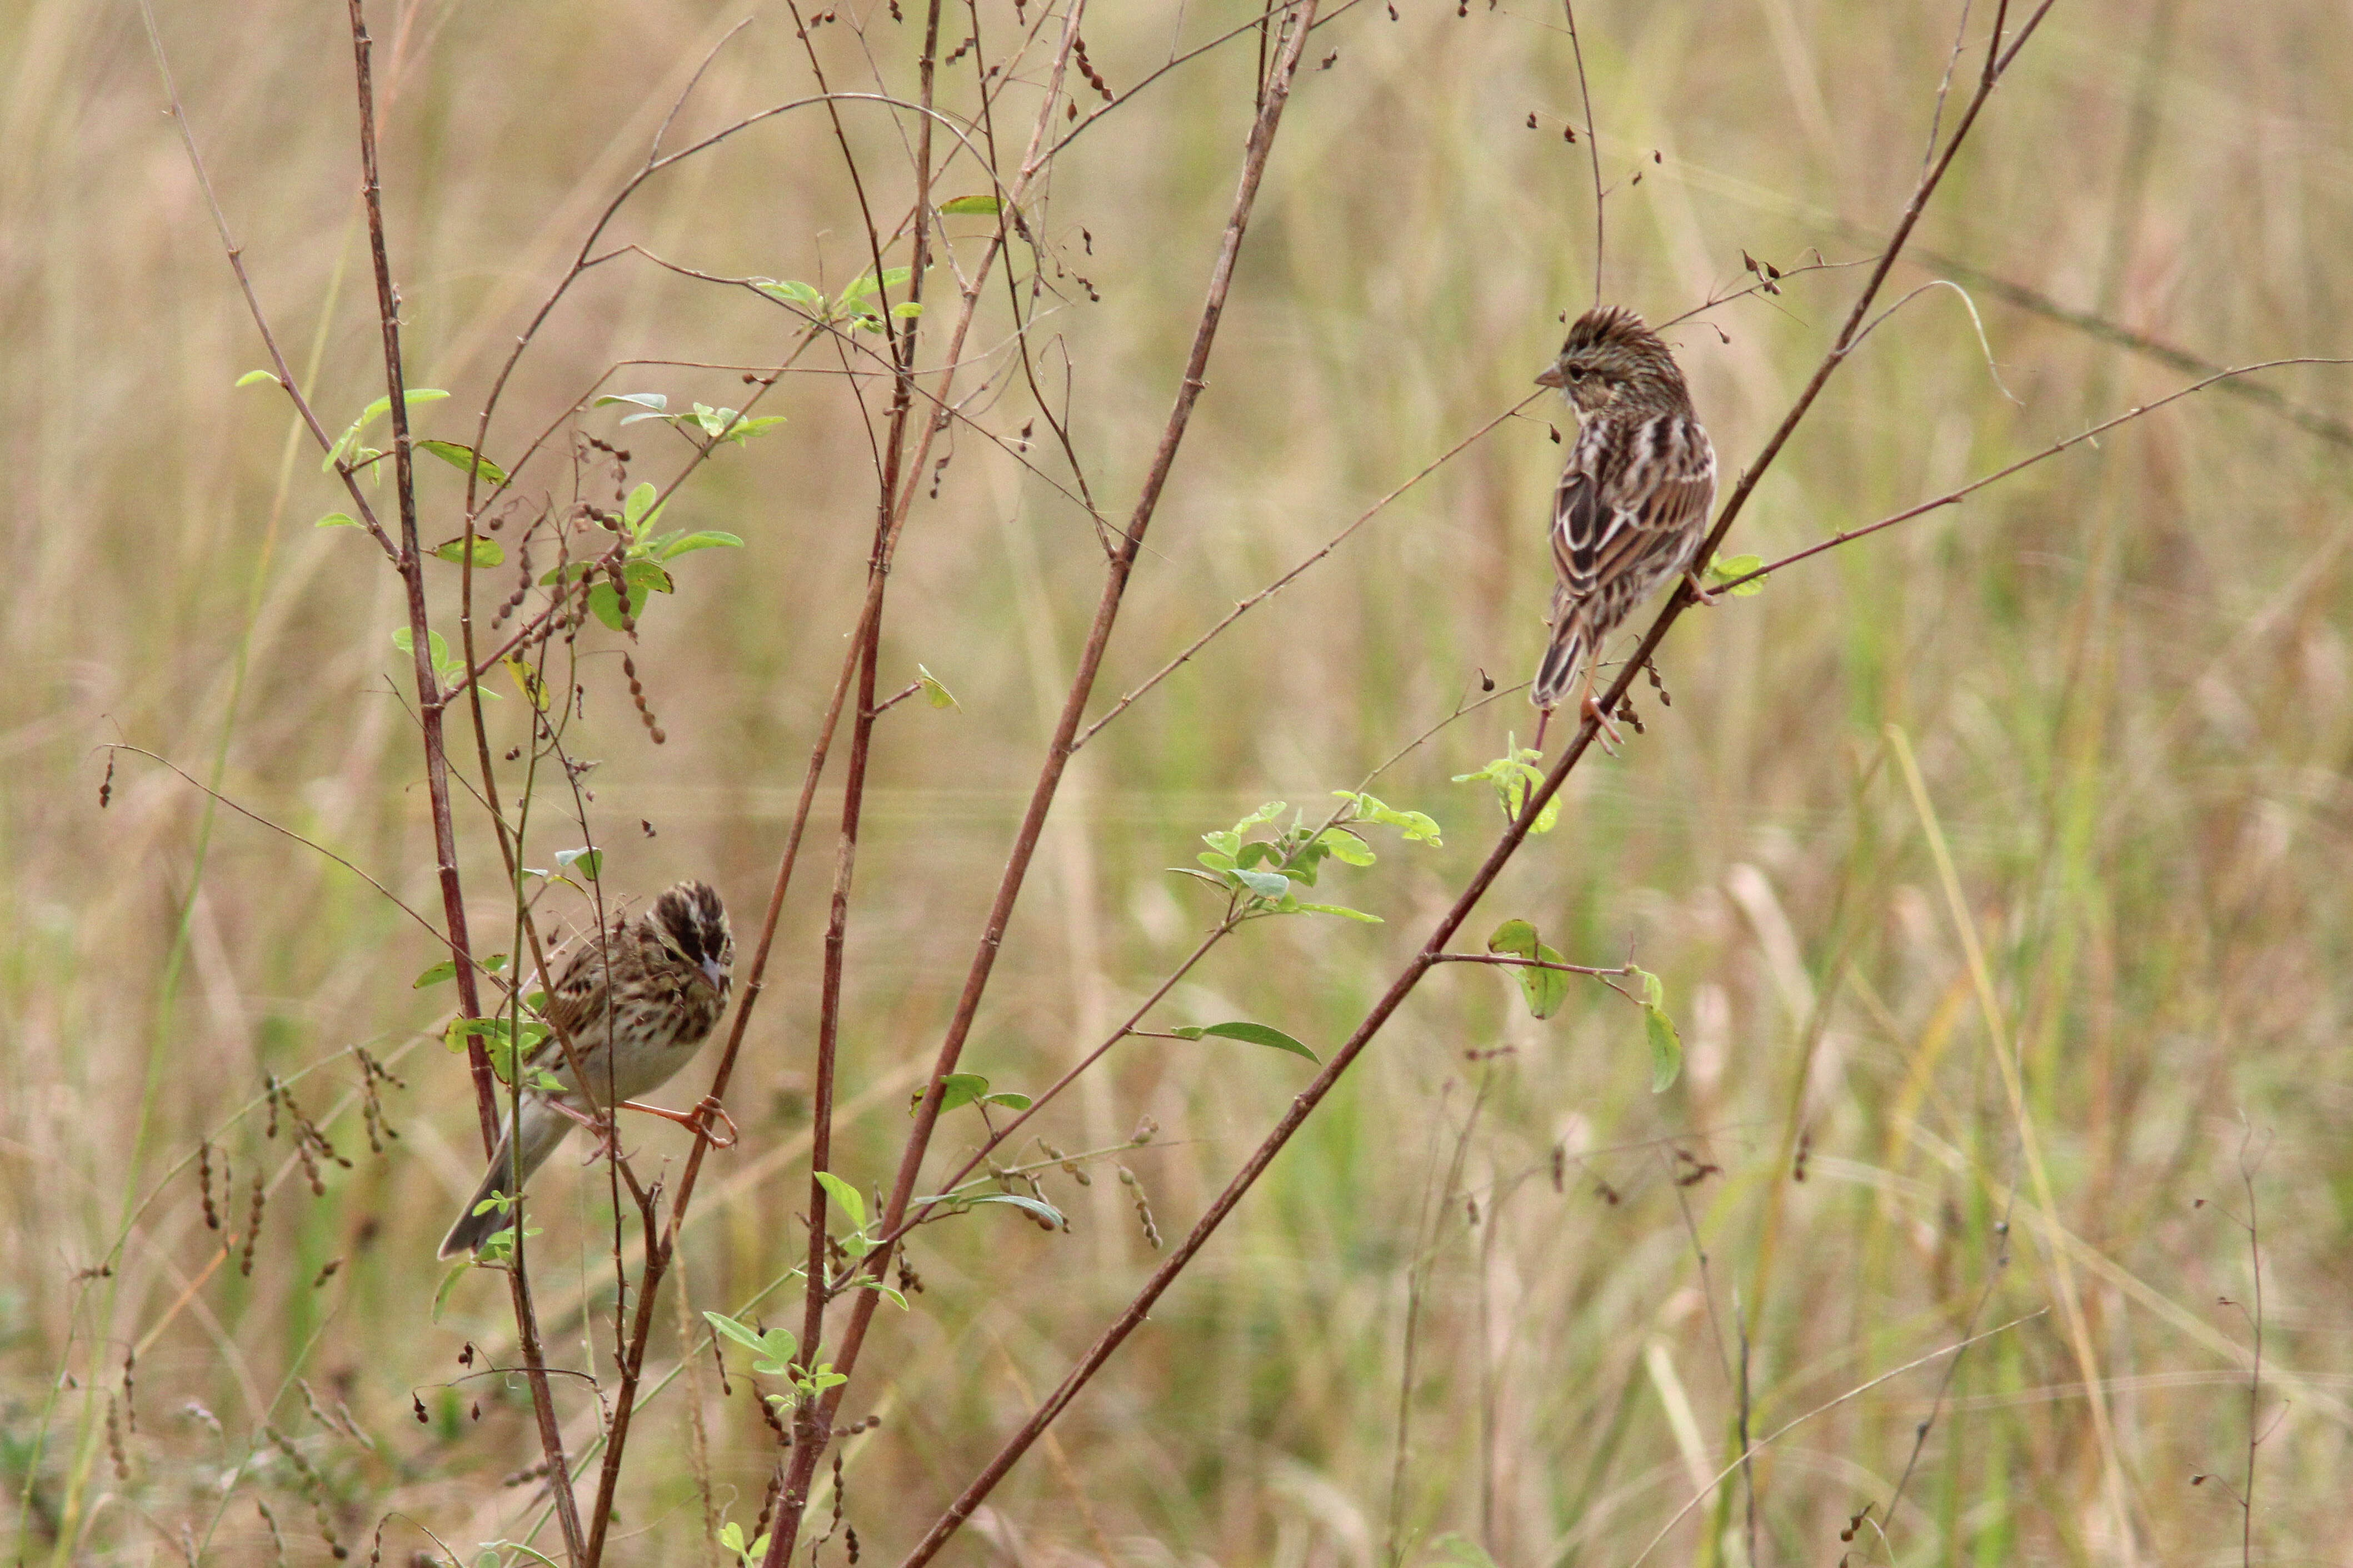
{"points": [[1558, 668], [543, 1129]]}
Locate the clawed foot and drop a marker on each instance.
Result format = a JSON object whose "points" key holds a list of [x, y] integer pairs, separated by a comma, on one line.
{"points": [[1608, 733], [697, 1121], [1700, 593]]}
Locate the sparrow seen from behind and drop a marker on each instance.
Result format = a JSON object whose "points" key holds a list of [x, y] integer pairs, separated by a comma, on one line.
{"points": [[1632, 504]]}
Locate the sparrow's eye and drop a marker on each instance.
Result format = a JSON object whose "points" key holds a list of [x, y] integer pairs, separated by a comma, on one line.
{"points": [[1576, 373]]}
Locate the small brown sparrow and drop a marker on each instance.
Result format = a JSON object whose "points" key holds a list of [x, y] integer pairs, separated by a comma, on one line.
{"points": [[637, 1003], [1633, 501]]}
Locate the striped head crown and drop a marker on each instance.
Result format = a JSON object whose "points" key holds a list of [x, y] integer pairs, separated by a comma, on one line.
{"points": [[1611, 360], [690, 923]]}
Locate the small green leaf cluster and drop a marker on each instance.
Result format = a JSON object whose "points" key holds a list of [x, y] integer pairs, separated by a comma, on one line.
{"points": [[1262, 876], [853, 304], [863, 1236], [499, 1246], [507, 1044], [714, 424], [1513, 774], [447, 668], [731, 1536], [1546, 989], [642, 552], [775, 1354]]}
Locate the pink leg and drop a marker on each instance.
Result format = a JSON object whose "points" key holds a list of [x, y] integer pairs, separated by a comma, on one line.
{"points": [[695, 1122]]}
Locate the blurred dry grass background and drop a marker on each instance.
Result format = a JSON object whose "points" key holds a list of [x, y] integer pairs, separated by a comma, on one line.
{"points": [[2125, 678]]}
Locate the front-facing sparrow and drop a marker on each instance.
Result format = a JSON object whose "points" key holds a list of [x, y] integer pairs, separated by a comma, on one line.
{"points": [[637, 1001], [1633, 501]]}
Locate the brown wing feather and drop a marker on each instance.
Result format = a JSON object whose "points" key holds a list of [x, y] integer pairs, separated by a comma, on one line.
{"points": [[1631, 501]]}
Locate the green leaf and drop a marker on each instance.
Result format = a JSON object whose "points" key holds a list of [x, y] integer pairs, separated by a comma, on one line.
{"points": [[438, 645], [346, 445], [633, 511], [643, 577], [528, 681], [852, 1206], [1346, 847], [972, 206], [337, 520], [1418, 826], [1514, 776], [462, 459], [435, 974], [867, 1282], [255, 377], [936, 694], [1255, 1034], [1266, 812], [1043, 1211], [486, 551], [774, 1350], [1666, 1042], [588, 863], [864, 284], [962, 1088], [792, 293], [1723, 568], [1544, 989], [1265, 884], [1344, 912], [905, 309], [708, 539], [1515, 937], [1666, 1048], [742, 1333]]}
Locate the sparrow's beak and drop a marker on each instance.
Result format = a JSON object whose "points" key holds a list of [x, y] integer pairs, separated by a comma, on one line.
{"points": [[716, 976], [1551, 377]]}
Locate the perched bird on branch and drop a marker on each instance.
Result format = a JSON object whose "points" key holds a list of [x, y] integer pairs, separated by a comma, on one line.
{"points": [[636, 1003], [1633, 501]]}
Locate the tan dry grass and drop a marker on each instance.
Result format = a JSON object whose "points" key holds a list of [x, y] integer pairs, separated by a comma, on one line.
{"points": [[2125, 678]]}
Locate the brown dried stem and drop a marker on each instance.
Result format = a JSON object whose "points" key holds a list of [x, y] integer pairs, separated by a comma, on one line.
{"points": [[430, 708]]}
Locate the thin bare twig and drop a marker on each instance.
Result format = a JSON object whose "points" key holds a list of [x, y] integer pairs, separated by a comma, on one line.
{"points": [[1592, 141], [390, 897], [1244, 606], [1954, 497]]}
